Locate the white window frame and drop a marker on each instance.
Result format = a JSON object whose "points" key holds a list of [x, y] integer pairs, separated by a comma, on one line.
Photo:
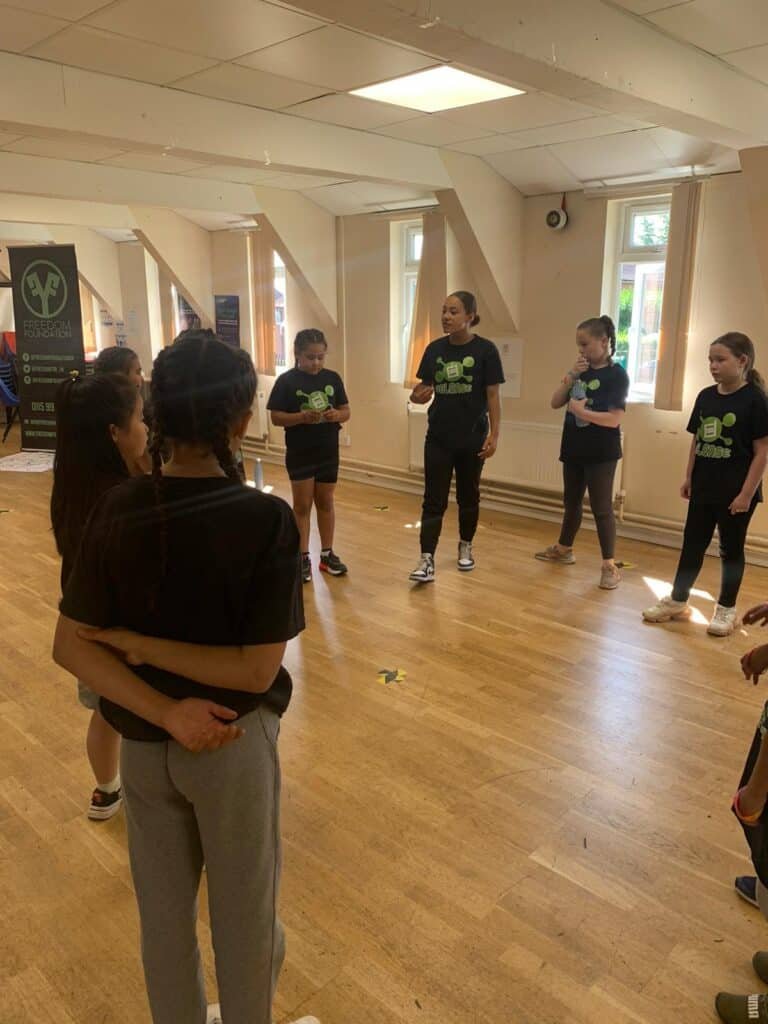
{"points": [[619, 249], [404, 271]]}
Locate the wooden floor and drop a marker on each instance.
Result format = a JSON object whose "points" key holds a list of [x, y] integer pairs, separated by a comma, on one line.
{"points": [[531, 828]]}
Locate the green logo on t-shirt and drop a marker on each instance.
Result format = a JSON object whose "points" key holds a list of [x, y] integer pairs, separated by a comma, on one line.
{"points": [[451, 378], [317, 401], [711, 430]]}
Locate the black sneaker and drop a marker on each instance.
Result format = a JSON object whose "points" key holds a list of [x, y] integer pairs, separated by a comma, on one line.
{"points": [[104, 805], [306, 569], [746, 887], [425, 570], [332, 564], [742, 1009]]}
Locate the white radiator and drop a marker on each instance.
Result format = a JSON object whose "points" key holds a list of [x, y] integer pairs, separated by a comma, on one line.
{"points": [[528, 454], [259, 426]]}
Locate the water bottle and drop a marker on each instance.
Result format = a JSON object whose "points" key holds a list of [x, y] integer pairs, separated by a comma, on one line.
{"points": [[579, 391], [258, 475]]}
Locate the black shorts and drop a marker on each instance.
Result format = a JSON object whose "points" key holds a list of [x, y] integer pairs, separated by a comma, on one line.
{"points": [[318, 464]]}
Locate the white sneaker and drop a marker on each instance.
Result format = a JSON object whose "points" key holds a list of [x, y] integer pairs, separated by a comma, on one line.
{"points": [[724, 621], [425, 570], [214, 1014], [306, 1020], [667, 609], [466, 562]]}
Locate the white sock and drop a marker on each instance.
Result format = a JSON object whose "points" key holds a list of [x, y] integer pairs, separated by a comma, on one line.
{"points": [[325, 552], [110, 787]]}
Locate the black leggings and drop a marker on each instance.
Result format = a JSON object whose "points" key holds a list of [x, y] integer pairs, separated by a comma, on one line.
{"points": [[699, 529], [439, 464], [597, 478]]}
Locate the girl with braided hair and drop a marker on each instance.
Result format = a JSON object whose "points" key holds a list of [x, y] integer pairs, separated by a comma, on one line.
{"points": [[202, 576]]}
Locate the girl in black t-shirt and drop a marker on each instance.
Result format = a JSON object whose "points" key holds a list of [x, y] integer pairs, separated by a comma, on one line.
{"points": [[595, 392], [311, 403], [722, 485], [99, 434], [461, 374], [184, 593]]}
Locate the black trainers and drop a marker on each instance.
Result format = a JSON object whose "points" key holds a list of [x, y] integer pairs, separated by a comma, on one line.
{"points": [[742, 1009], [746, 887], [332, 564], [104, 805], [306, 569]]}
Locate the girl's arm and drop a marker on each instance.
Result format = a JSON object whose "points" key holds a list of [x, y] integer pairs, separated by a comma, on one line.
{"points": [[251, 668], [600, 419], [292, 419], [685, 490], [494, 415], [743, 500], [338, 415], [196, 724], [561, 393]]}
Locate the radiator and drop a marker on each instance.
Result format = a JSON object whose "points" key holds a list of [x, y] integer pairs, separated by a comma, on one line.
{"points": [[528, 454], [259, 426]]}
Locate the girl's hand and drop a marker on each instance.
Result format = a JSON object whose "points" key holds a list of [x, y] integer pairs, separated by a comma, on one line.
{"points": [[754, 663], [421, 394], [760, 611], [310, 416], [578, 406], [331, 415], [685, 489], [197, 724], [740, 504], [125, 641], [580, 366], [489, 447]]}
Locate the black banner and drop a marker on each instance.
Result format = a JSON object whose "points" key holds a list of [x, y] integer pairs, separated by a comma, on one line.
{"points": [[49, 334], [228, 319]]}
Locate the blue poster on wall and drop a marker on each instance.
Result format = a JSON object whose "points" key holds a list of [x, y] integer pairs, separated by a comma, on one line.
{"points": [[228, 319]]}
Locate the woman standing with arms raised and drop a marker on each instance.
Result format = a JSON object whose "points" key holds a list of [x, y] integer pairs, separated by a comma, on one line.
{"points": [[462, 371]]}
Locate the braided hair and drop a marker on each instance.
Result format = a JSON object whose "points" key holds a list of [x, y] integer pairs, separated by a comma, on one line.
{"points": [[601, 327], [200, 387], [116, 359]]}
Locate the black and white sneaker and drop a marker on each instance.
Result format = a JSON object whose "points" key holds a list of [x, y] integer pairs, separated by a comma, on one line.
{"points": [[332, 564], [104, 805], [306, 569], [425, 570], [746, 887], [466, 562]]}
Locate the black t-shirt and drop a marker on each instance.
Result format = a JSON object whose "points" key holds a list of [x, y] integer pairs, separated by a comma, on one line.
{"points": [[460, 374], [295, 391], [725, 427], [217, 563], [606, 390]]}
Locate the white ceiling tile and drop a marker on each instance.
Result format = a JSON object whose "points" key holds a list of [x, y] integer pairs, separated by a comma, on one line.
{"points": [[337, 199], [716, 25], [228, 172], [587, 128], [534, 171], [352, 111], [97, 50], [633, 153], [246, 85], [431, 130], [753, 61], [532, 110], [71, 10], [21, 29], [61, 149], [212, 220], [220, 30], [153, 162], [299, 182], [337, 58], [646, 6], [681, 149]]}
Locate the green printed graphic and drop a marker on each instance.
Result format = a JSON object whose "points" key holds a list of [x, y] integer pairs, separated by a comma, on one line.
{"points": [[316, 401], [44, 289]]}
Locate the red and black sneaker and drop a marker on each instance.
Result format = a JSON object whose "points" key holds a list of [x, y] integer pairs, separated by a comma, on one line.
{"points": [[332, 564], [104, 805]]}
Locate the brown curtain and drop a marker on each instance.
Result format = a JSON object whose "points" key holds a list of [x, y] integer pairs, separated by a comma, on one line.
{"points": [[430, 292], [262, 267], [678, 289]]}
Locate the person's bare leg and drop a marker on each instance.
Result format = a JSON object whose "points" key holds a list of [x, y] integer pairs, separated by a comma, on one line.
{"points": [[103, 746], [303, 492], [326, 513]]}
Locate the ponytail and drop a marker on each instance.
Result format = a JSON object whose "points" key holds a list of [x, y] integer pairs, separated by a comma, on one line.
{"points": [[601, 327], [755, 377]]}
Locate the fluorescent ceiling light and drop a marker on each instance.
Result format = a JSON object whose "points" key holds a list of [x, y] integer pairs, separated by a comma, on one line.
{"points": [[442, 88]]}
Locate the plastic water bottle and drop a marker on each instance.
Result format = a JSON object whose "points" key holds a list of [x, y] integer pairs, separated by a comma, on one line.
{"points": [[258, 475], [578, 391]]}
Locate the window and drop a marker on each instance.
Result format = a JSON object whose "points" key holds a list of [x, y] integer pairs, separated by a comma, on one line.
{"points": [[634, 286], [281, 350], [406, 240]]}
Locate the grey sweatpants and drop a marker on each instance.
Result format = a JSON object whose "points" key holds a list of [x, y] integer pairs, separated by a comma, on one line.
{"points": [[221, 808]]}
